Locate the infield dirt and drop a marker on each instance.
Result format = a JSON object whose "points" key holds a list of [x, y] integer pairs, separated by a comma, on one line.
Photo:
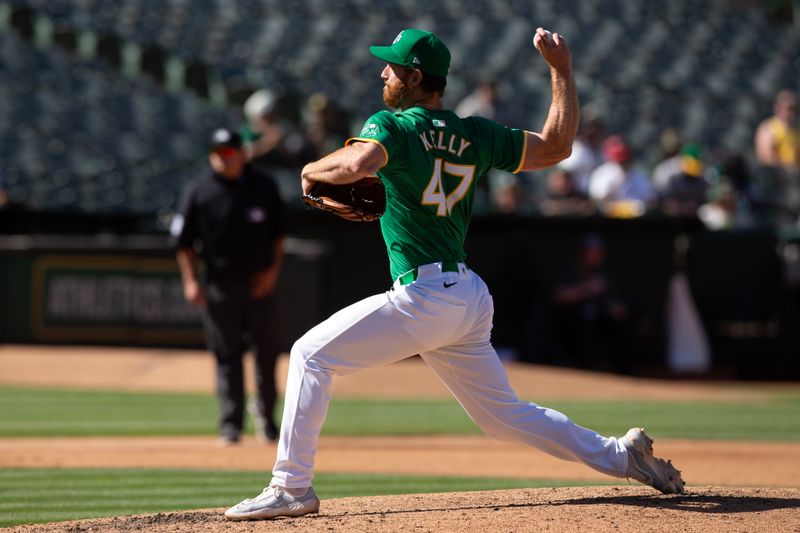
{"points": [[570, 509], [749, 469]]}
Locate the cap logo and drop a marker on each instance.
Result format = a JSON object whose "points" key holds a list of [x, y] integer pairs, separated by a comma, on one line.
{"points": [[399, 36], [416, 61]]}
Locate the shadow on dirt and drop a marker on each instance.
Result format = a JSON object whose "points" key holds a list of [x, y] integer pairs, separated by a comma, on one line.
{"points": [[708, 502], [698, 503]]}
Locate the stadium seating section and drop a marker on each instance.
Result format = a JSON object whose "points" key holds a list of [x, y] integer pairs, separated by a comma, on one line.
{"points": [[107, 104]]}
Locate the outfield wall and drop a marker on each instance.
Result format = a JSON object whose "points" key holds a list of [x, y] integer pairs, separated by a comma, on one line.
{"points": [[125, 289]]}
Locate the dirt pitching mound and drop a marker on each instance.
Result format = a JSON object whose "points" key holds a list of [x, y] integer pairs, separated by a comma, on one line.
{"points": [[582, 509]]}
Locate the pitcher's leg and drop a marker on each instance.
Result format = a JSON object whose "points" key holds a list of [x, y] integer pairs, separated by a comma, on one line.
{"points": [[478, 380], [361, 335]]}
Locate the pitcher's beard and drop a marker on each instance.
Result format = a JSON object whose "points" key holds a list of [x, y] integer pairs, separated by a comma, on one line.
{"points": [[395, 97]]}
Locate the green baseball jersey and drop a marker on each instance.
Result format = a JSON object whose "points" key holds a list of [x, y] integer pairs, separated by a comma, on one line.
{"points": [[434, 159]]}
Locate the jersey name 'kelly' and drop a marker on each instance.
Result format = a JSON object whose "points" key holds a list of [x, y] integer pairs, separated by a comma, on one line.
{"points": [[437, 142]]}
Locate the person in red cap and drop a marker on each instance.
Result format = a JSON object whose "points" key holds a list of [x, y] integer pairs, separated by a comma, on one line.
{"points": [[618, 179]]}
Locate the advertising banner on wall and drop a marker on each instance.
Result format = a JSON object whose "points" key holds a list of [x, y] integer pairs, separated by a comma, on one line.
{"points": [[111, 299]]}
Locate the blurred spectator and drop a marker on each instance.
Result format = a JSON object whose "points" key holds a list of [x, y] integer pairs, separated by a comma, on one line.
{"points": [[233, 219], [777, 147], [590, 320], [734, 170], [327, 124], [587, 153], [777, 141], [505, 191], [619, 187], [669, 163], [563, 197], [720, 211], [275, 139], [730, 196], [685, 191], [688, 350], [483, 102]]}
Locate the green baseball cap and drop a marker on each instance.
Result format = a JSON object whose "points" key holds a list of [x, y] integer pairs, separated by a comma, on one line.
{"points": [[416, 49]]}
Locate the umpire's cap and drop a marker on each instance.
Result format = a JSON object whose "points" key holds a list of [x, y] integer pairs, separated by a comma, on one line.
{"points": [[416, 49], [225, 138]]}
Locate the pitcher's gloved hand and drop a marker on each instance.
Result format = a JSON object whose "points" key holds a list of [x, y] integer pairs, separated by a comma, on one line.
{"points": [[361, 201]]}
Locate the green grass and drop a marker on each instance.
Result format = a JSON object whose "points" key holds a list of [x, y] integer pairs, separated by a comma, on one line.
{"points": [[46, 412], [28, 412], [45, 495], [50, 495], [774, 421]]}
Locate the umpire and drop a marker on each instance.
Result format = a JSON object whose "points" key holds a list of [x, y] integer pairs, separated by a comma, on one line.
{"points": [[233, 219]]}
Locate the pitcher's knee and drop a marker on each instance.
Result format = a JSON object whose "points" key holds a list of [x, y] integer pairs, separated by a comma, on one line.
{"points": [[299, 349], [312, 359]]}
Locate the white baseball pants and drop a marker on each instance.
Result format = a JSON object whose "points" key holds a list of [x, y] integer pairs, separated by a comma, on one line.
{"points": [[450, 327]]}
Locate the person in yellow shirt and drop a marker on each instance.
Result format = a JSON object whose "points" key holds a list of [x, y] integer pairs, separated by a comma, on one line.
{"points": [[777, 141]]}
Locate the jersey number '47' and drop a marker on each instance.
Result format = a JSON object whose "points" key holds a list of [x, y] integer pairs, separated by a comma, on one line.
{"points": [[435, 193]]}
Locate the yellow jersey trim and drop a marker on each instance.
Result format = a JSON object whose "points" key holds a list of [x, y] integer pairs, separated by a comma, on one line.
{"points": [[351, 140], [524, 151]]}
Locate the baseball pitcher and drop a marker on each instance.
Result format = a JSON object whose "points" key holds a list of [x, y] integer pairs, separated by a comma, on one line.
{"points": [[428, 160]]}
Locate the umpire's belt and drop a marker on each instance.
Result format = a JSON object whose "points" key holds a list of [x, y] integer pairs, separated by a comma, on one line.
{"points": [[446, 266]]}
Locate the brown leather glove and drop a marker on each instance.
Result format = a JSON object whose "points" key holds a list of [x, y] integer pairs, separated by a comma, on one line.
{"points": [[361, 201]]}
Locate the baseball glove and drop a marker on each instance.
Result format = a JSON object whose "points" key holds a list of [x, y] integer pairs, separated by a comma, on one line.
{"points": [[361, 201]]}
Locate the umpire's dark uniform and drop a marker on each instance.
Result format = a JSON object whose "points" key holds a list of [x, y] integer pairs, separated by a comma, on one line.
{"points": [[234, 220]]}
